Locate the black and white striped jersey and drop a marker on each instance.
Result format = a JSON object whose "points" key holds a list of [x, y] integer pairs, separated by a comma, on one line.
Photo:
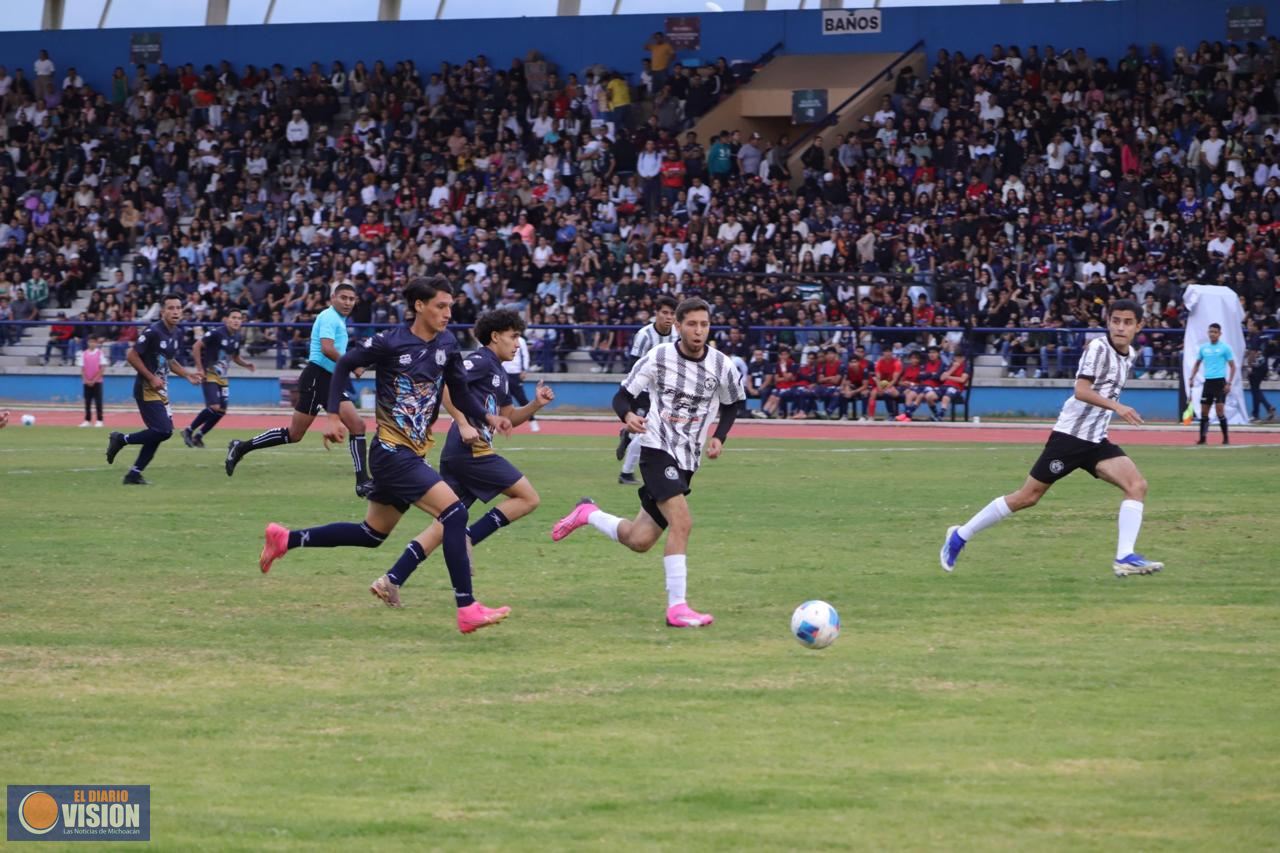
{"points": [[648, 338], [684, 395], [1109, 370]]}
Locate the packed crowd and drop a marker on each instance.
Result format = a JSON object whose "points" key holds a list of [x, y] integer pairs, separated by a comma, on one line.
{"points": [[1020, 189]]}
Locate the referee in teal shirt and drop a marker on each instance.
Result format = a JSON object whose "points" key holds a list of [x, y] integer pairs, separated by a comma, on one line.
{"points": [[1217, 358]]}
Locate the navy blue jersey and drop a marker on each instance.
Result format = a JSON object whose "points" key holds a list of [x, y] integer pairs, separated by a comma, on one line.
{"points": [[411, 373], [220, 347], [156, 346], [488, 383]]}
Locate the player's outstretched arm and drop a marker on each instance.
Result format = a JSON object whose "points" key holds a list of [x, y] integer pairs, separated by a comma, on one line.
{"points": [[541, 397], [624, 407], [1086, 394]]}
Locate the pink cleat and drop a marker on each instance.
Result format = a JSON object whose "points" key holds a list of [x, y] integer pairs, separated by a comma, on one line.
{"points": [[684, 616], [475, 616], [902, 419], [573, 520], [277, 544]]}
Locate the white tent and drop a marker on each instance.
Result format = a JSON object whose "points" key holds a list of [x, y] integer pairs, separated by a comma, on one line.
{"points": [[1212, 303]]}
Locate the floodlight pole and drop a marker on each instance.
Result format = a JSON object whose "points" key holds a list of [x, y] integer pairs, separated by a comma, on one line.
{"points": [[51, 18], [106, 10], [216, 11], [388, 10]]}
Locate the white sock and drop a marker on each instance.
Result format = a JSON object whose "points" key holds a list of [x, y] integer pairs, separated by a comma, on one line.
{"points": [[677, 572], [605, 523], [632, 459], [993, 512], [1130, 524]]}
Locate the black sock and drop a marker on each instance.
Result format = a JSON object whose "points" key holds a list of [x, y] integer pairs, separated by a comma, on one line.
{"points": [[407, 564], [270, 438], [1222, 422], [336, 535], [356, 444], [211, 421], [201, 419], [488, 524], [454, 522], [149, 449], [1204, 426]]}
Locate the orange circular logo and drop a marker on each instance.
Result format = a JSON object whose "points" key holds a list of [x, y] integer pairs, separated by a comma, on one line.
{"points": [[38, 812]]}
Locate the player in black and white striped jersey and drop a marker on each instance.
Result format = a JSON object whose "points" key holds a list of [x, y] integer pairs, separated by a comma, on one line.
{"points": [[660, 331], [1079, 440], [689, 385]]}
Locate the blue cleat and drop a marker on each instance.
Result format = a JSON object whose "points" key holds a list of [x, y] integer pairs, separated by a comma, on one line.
{"points": [[951, 548], [1135, 564]]}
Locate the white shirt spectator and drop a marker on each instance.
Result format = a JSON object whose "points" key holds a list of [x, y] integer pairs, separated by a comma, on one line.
{"points": [[439, 197], [72, 81], [729, 231], [368, 267], [648, 164], [297, 130], [542, 255], [883, 116], [1058, 152], [1211, 151], [44, 67], [1222, 246], [1088, 268], [700, 198]]}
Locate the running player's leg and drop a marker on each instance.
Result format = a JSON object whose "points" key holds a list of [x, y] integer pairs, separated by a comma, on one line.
{"points": [[354, 423], [379, 520], [675, 564], [1032, 490], [158, 428], [441, 502], [1120, 471], [313, 391]]}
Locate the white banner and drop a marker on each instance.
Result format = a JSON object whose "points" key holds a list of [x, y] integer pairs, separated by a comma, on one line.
{"points": [[1211, 303], [851, 22]]}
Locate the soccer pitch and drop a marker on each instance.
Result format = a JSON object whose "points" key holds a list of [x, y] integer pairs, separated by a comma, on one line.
{"points": [[1029, 701]]}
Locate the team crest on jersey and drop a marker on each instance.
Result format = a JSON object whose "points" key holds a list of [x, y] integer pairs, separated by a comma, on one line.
{"points": [[496, 380], [709, 383], [440, 357], [1056, 466], [406, 359], [468, 364], [671, 473]]}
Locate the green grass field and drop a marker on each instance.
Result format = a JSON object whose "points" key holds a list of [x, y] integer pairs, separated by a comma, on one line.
{"points": [[1030, 701]]}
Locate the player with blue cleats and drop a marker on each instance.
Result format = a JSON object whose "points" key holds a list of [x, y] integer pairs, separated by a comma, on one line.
{"points": [[951, 548]]}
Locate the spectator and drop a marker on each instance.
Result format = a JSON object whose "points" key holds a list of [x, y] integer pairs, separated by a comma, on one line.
{"points": [[61, 337]]}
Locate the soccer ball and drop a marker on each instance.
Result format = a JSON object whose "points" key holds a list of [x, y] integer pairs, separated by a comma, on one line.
{"points": [[28, 420], [815, 624]]}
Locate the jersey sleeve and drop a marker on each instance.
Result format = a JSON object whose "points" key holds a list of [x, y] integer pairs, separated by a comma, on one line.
{"points": [[641, 375], [148, 344], [325, 328], [730, 390], [637, 343], [1091, 361]]}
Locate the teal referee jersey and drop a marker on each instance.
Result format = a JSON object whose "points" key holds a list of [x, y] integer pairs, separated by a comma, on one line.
{"points": [[1215, 358]]}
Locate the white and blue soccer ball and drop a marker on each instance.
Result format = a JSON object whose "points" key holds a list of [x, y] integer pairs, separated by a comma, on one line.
{"points": [[815, 624], [28, 420]]}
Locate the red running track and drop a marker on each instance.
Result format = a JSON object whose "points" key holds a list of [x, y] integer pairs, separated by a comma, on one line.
{"points": [[1163, 434]]}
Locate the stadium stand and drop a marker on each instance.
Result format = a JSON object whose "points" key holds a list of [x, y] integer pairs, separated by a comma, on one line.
{"points": [[1019, 190]]}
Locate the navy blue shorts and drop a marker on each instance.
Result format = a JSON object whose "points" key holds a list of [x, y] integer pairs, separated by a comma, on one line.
{"points": [[155, 415], [215, 394], [400, 476], [478, 478]]}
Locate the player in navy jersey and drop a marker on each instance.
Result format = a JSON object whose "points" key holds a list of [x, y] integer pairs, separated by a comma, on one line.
{"points": [[213, 355], [413, 365], [153, 356], [469, 464]]}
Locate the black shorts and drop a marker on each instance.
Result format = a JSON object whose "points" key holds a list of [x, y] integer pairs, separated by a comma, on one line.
{"points": [[1064, 453], [313, 390], [1214, 391], [400, 477], [215, 394], [478, 478], [663, 479], [156, 415]]}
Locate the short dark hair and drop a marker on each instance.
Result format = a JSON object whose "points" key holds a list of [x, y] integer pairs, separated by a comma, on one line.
{"points": [[424, 288], [341, 287], [690, 305], [1126, 305], [496, 321], [168, 296], [1215, 326], [665, 301]]}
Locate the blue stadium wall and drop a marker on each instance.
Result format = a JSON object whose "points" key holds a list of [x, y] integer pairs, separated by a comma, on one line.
{"points": [[1103, 28], [265, 392]]}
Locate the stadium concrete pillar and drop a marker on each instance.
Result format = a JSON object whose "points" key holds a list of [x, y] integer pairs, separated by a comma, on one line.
{"points": [[835, 4], [568, 8], [215, 14], [756, 6], [51, 19], [388, 10]]}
